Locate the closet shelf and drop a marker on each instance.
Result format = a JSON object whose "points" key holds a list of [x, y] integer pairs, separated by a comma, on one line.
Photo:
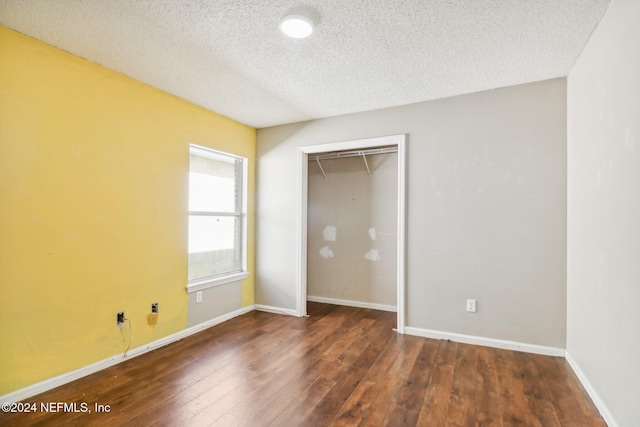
{"points": [[353, 153]]}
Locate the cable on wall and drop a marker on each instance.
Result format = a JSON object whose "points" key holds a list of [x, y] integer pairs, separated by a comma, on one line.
{"points": [[130, 338]]}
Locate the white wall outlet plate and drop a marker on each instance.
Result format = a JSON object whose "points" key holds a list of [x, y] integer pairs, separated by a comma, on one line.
{"points": [[471, 305]]}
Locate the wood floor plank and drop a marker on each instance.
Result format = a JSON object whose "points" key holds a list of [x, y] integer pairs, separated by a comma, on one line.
{"points": [[349, 370], [462, 410], [488, 408], [357, 404], [538, 395], [409, 401], [522, 401], [405, 353], [298, 411], [438, 394], [345, 341], [267, 403], [342, 366]]}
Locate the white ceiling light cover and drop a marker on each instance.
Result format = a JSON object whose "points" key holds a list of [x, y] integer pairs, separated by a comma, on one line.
{"points": [[296, 26]]}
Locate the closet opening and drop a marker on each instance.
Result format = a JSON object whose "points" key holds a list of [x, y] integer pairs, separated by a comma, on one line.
{"points": [[351, 225]]}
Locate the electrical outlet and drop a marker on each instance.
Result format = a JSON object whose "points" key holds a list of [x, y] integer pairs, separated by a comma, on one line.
{"points": [[471, 305], [120, 318], [199, 297], [152, 319], [154, 307]]}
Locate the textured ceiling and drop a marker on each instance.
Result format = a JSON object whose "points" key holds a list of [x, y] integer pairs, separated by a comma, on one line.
{"points": [[230, 57]]}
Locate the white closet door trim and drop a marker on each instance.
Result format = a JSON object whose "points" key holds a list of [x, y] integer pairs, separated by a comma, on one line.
{"points": [[301, 264]]}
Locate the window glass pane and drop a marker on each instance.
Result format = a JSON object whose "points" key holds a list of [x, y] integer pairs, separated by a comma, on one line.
{"points": [[213, 182], [211, 193], [209, 233], [213, 247]]}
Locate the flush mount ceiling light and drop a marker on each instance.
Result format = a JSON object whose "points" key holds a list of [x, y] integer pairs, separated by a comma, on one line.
{"points": [[296, 26]]}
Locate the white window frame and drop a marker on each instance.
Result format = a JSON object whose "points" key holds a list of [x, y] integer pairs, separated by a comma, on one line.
{"points": [[202, 283]]}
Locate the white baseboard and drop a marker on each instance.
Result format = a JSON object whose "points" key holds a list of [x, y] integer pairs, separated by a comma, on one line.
{"points": [[593, 394], [488, 342], [277, 310], [349, 303], [51, 383]]}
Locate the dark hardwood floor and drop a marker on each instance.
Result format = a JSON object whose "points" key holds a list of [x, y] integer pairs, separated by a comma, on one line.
{"points": [[341, 366]]}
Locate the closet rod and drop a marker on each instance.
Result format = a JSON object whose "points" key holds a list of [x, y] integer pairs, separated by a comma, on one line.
{"points": [[355, 153]]}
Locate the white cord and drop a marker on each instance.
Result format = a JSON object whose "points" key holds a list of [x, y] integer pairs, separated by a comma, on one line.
{"points": [[130, 338]]}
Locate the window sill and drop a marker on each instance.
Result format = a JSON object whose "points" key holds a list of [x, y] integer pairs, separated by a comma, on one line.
{"points": [[217, 281]]}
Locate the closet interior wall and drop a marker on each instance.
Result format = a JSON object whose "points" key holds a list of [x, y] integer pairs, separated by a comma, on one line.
{"points": [[352, 230]]}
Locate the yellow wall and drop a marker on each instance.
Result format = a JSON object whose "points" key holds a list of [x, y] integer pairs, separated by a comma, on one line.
{"points": [[93, 208]]}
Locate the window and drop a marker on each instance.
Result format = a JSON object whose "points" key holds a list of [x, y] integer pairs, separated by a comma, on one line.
{"points": [[216, 218]]}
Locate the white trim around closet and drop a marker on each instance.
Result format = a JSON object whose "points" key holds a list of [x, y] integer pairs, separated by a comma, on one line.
{"points": [[301, 262]]}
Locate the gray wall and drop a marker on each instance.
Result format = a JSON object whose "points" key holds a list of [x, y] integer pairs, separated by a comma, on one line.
{"points": [[603, 320], [216, 301], [363, 210], [486, 209]]}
